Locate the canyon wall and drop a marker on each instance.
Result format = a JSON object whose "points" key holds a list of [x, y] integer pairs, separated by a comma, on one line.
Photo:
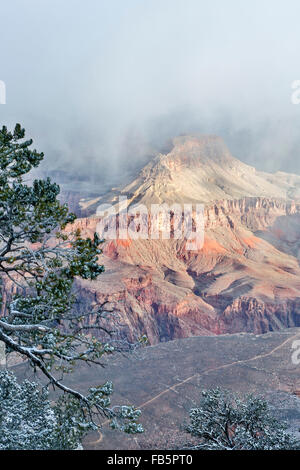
{"points": [[246, 277]]}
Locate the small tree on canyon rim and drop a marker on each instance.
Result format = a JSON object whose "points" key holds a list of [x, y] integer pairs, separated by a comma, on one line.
{"points": [[225, 421], [41, 260]]}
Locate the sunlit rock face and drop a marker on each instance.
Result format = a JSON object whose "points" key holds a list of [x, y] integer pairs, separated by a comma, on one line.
{"points": [[198, 169]]}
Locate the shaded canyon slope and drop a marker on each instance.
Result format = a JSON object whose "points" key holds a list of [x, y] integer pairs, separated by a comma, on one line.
{"points": [[246, 276]]}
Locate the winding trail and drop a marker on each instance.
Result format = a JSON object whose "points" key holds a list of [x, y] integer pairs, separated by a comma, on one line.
{"points": [[199, 374]]}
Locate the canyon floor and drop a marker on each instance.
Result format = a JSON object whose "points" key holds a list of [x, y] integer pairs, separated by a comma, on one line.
{"points": [[165, 381]]}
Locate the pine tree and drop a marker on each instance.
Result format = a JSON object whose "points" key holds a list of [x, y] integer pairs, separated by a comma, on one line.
{"points": [[42, 258], [225, 421]]}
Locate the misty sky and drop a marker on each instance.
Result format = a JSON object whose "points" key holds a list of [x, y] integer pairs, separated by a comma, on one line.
{"points": [[99, 82]]}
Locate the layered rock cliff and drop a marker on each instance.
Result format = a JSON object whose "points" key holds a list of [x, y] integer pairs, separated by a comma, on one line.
{"points": [[245, 277]]}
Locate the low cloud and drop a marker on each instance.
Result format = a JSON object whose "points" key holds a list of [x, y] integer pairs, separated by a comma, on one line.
{"points": [[101, 85]]}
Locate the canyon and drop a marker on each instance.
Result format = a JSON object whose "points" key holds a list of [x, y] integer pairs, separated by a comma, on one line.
{"points": [[245, 277], [224, 314]]}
